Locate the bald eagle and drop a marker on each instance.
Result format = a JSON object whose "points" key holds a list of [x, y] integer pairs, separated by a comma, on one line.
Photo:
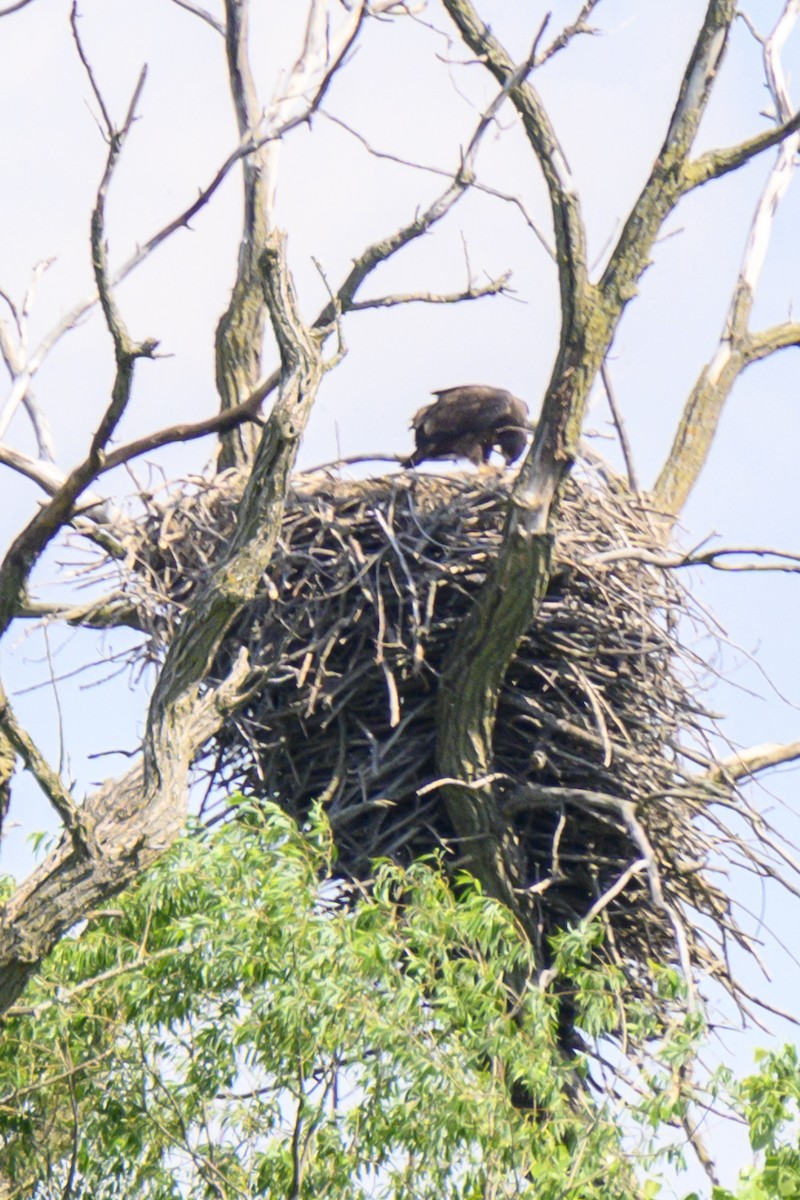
{"points": [[469, 422]]}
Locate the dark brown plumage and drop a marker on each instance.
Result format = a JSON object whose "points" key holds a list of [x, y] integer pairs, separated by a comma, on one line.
{"points": [[469, 422]]}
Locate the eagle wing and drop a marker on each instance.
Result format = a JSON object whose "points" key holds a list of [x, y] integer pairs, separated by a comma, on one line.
{"points": [[466, 422], [473, 408]]}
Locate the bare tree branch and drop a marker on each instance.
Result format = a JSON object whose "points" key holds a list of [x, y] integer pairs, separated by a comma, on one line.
{"points": [[716, 163], [718, 559], [49, 781], [49, 477], [666, 182], [737, 346], [625, 809], [619, 425], [15, 358], [486, 189], [578, 26], [34, 538], [98, 95], [126, 351], [107, 612], [567, 219], [240, 332], [241, 328], [749, 762], [12, 8], [619, 885], [202, 14], [768, 341], [495, 287]]}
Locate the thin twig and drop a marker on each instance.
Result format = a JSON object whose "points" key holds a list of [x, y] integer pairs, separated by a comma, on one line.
{"points": [[788, 560], [12, 8], [578, 26], [619, 425], [495, 287], [98, 95], [191, 7]]}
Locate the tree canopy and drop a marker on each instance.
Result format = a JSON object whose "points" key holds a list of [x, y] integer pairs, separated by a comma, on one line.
{"points": [[238, 1026]]}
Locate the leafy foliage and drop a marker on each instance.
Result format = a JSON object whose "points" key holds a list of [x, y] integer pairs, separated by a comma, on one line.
{"points": [[239, 1027]]}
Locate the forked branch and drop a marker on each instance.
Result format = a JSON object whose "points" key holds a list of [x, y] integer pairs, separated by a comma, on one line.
{"points": [[738, 346]]}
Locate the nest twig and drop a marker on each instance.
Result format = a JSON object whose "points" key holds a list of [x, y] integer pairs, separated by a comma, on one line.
{"points": [[368, 584]]}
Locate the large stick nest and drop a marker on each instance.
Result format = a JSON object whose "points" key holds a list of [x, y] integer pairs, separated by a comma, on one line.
{"points": [[369, 583]]}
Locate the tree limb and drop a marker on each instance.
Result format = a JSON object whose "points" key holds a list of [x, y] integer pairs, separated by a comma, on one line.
{"points": [[239, 339], [132, 822], [79, 829], [718, 559], [107, 612], [666, 183], [576, 27], [240, 332], [475, 667], [768, 341], [749, 762], [716, 163], [495, 287], [202, 14], [12, 8], [15, 358], [737, 346], [34, 538], [239, 574]]}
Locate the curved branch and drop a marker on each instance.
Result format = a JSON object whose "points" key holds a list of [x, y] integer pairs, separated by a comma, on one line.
{"points": [[768, 341], [667, 181], [777, 560], [79, 829], [35, 537], [737, 346], [202, 14], [533, 796], [12, 8]]}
